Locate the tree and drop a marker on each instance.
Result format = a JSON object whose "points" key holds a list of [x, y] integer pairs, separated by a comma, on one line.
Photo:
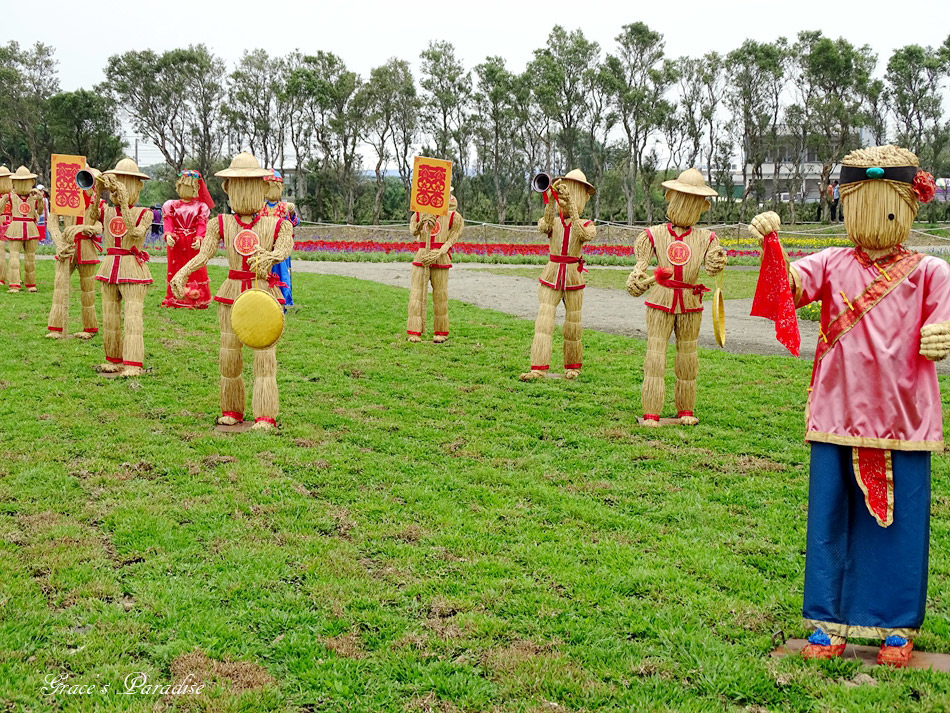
{"points": [[447, 91], [497, 96], [256, 118], [86, 123], [914, 77], [379, 99], [560, 70], [641, 77]]}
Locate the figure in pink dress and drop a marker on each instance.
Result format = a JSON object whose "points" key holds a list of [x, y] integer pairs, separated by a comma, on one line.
{"points": [[185, 222]]}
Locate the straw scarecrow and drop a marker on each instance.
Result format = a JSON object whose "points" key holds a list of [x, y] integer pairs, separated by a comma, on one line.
{"points": [[26, 205], [562, 280], [274, 207], [123, 273], [186, 221], [78, 245], [6, 185], [431, 265], [254, 245], [675, 302], [873, 414]]}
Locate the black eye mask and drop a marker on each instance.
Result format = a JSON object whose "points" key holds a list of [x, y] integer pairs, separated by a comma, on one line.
{"points": [[853, 174]]}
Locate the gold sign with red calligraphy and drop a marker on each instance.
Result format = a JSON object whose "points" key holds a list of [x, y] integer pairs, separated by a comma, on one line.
{"points": [[246, 242], [65, 193], [431, 184], [117, 227], [678, 253]]}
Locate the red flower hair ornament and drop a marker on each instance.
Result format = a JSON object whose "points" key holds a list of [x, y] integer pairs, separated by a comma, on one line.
{"points": [[924, 186]]}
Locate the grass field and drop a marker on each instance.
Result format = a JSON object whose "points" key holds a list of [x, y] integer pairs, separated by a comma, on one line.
{"points": [[424, 533]]}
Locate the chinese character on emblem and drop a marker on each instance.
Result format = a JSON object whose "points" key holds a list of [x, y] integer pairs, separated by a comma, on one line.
{"points": [[117, 227], [678, 253], [246, 242]]}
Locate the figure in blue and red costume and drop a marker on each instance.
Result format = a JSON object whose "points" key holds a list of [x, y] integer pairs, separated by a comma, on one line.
{"points": [[276, 208], [874, 414]]}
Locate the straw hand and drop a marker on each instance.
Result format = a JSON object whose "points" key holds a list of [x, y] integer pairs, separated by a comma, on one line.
{"points": [[935, 341], [716, 260], [196, 244], [638, 282], [177, 284], [261, 262], [763, 224], [170, 240], [430, 257]]}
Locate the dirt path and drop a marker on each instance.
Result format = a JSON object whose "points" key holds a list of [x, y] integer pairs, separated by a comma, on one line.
{"points": [[605, 310]]}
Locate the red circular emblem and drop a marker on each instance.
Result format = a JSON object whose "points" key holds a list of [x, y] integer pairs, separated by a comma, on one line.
{"points": [[436, 229], [246, 242], [24, 209], [117, 227], [678, 253]]}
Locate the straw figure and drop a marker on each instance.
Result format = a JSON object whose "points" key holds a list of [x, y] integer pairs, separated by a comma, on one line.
{"points": [[185, 221], [254, 245], [6, 185], [124, 275], [78, 245], [562, 280], [26, 205], [431, 265], [675, 302], [274, 207], [873, 415]]}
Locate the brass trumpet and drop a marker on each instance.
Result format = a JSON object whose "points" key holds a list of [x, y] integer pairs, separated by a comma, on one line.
{"points": [[541, 183]]}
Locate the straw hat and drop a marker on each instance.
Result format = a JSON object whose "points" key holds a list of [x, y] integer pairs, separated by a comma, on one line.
{"points": [[244, 165], [22, 173], [577, 175], [128, 167], [5, 172], [690, 181]]}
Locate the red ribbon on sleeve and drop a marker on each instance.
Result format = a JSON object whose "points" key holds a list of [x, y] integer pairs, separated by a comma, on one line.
{"points": [[773, 295]]}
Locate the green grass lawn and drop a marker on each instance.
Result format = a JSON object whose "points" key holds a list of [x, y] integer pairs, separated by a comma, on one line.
{"points": [[737, 284], [424, 533]]}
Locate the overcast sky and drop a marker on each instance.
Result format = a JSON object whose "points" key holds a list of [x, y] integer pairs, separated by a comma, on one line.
{"points": [[367, 33]]}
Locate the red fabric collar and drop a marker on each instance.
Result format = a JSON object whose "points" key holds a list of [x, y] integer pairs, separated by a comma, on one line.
{"points": [[247, 226], [865, 260], [669, 226]]}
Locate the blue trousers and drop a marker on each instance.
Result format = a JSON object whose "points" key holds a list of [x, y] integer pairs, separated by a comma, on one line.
{"points": [[283, 272], [862, 579]]}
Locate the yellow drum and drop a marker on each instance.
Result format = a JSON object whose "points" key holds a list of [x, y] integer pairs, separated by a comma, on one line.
{"points": [[257, 319], [719, 313]]}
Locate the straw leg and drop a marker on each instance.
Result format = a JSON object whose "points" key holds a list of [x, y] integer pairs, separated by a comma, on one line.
{"points": [[573, 348], [3, 259], [440, 304], [230, 364], [133, 351], [29, 265], [13, 266], [59, 310], [687, 365], [264, 400], [87, 297], [418, 291], [548, 301], [111, 327], [659, 328]]}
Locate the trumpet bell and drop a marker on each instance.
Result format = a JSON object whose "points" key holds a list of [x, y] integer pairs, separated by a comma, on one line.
{"points": [[85, 179], [541, 183]]}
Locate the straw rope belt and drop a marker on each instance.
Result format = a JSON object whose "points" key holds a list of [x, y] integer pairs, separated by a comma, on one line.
{"points": [[140, 255]]}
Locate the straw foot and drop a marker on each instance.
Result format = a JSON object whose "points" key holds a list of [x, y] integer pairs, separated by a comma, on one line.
{"points": [[31, 289], [440, 339], [414, 338], [689, 421], [228, 421], [533, 374], [108, 368], [263, 426], [132, 371], [84, 335], [572, 373], [14, 289], [54, 335]]}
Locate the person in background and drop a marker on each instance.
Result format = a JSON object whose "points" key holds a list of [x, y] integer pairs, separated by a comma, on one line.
{"points": [[835, 197], [41, 221]]}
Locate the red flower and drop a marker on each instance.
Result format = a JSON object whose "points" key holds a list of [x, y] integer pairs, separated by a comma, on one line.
{"points": [[924, 186]]}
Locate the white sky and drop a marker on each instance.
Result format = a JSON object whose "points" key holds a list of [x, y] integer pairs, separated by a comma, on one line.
{"points": [[367, 33]]}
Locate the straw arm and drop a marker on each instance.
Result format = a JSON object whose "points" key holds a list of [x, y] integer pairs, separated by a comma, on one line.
{"points": [[209, 246], [4, 199], [292, 215], [586, 233], [458, 224], [639, 280], [262, 261], [52, 228], [546, 223], [417, 225], [715, 259]]}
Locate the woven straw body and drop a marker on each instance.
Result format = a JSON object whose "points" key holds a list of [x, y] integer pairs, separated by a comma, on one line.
{"points": [[124, 231], [24, 210], [79, 260], [655, 244], [6, 211], [440, 237], [562, 280]]}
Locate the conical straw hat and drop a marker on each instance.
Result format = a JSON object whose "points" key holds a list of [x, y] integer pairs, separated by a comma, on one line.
{"points": [[4, 172], [128, 167], [690, 181], [578, 175], [244, 165], [22, 173]]}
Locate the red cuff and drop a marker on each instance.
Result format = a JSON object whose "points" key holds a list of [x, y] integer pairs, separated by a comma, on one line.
{"points": [[132, 363], [233, 414], [540, 368], [441, 334], [415, 334], [114, 360], [91, 331], [55, 329], [265, 419], [572, 366], [651, 417], [684, 413]]}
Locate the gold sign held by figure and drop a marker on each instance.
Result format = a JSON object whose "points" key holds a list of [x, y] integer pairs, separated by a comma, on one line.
{"points": [[65, 193], [431, 184]]}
